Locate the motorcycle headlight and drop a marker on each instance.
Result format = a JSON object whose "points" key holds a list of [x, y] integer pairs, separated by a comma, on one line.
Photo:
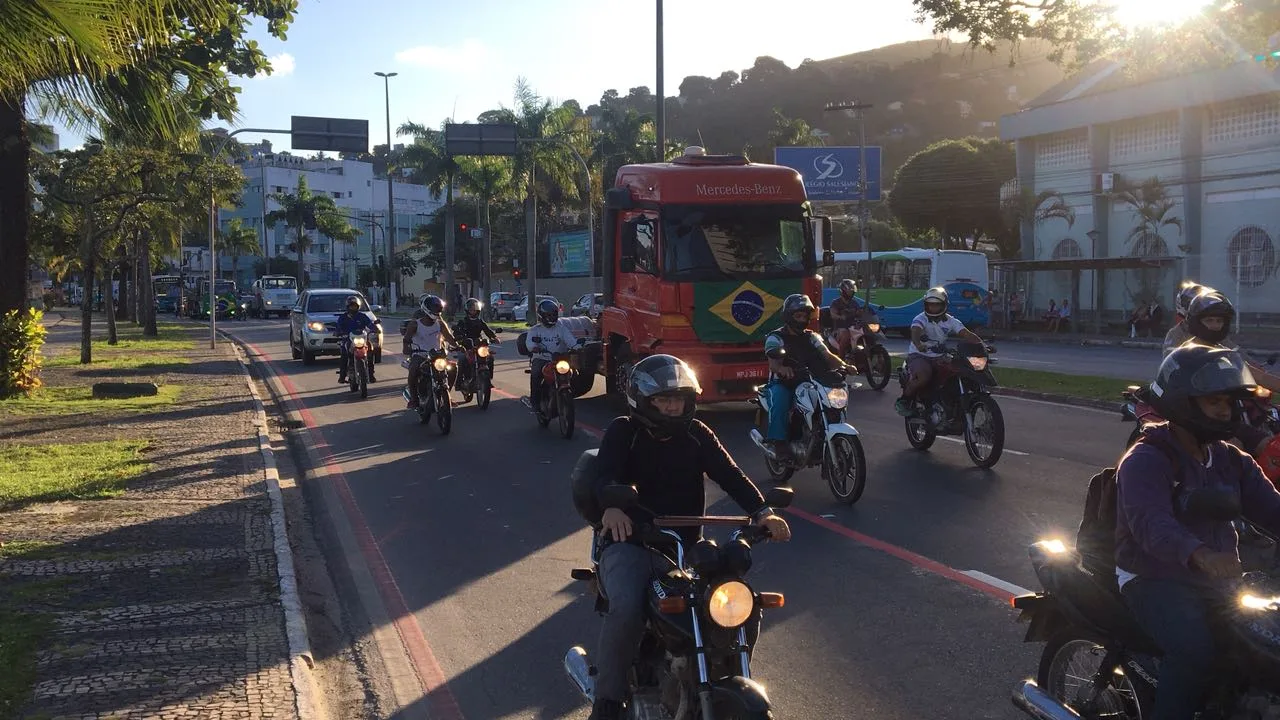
{"points": [[482, 351], [873, 327], [358, 342], [562, 366], [731, 604], [837, 397], [440, 364], [315, 326], [978, 363], [244, 305]]}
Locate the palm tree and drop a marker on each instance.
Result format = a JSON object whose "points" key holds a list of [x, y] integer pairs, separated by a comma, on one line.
{"points": [[301, 211], [1027, 204], [1153, 207], [237, 240]]}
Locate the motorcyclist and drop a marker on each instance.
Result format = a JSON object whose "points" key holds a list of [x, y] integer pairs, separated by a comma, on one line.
{"points": [[547, 337], [353, 320], [473, 327], [845, 314], [664, 452], [1171, 568], [792, 346], [929, 328], [427, 331], [1178, 334]]}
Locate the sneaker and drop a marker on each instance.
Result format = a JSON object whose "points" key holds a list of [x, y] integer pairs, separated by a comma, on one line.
{"points": [[342, 379], [904, 407], [606, 710], [373, 379]]}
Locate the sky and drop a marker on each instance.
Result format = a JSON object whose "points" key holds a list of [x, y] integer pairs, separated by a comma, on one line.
{"points": [[458, 59]]}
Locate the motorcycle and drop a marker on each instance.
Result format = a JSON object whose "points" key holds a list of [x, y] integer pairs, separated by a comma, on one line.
{"points": [[557, 391], [434, 382], [358, 370], [478, 381], [1097, 662], [819, 435], [867, 350], [955, 399], [695, 660]]}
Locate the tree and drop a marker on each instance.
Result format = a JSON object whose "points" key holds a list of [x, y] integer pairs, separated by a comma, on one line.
{"points": [[1079, 29], [952, 188], [120, 59], [304, 210], [790, 132], [237, 240], [1152, 208]]}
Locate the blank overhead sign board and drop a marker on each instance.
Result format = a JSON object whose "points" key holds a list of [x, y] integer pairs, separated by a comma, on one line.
{"points": [[480, 139], [333, 134]]}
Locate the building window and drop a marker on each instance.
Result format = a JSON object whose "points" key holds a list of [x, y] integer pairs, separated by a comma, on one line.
{"points": [[337, 195], [1067, 248], [1159, 134], [1149, 245], [1252, 117], [1068, 149], [1251, 256]]}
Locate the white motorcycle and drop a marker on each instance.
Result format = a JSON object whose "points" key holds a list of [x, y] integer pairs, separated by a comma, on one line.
{"points": [[819, 435]]}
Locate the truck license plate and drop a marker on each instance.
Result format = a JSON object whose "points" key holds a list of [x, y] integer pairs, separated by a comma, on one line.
{"points": [[750, 373]]}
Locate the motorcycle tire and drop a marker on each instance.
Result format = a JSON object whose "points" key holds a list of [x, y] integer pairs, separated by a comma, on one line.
{"points": [[920, 432], [485, 393], [779, 472], [1051, 676], [846, 489], [444, 412], [878, 357], [363, 379], [997, 440], [564, 416]]}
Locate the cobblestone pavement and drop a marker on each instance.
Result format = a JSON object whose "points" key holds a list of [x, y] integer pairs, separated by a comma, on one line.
{"points": [[163, 601]]}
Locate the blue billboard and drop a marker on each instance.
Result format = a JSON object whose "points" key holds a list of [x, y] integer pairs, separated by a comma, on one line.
{"points": [[831, 173]]}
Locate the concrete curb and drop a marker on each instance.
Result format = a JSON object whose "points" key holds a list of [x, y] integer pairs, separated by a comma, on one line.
{"points": [[291, 603], [1060, 399], [1099, 342]]}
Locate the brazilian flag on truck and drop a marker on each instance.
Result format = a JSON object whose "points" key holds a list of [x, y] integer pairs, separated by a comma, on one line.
{"points": [[739, 311]]}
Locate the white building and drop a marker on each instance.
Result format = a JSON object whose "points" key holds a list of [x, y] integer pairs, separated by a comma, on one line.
{"points": [[354, 190], [1212, 139]]}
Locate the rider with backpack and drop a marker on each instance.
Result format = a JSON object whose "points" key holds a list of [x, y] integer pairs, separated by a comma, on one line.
{"points": [[1170, 568]]}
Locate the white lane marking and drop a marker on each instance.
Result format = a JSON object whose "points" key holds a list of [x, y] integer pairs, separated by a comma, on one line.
{"points": [[1063, 405], [958, 440], [996, 582]]}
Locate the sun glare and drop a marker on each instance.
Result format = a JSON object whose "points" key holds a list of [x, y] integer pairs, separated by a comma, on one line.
{"points": [[1134, 14]]}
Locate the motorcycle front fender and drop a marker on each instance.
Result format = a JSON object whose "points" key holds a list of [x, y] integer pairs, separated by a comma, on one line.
{"points": [[745, 698], [836, 429]]}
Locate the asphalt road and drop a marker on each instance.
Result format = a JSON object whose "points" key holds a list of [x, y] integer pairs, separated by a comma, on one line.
{"points": [[896, 608]]}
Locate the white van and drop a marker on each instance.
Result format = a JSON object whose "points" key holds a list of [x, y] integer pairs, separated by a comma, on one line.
{"points": [[274, 294]]}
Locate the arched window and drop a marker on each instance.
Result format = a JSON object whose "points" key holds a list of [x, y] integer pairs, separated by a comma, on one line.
{"points": [[1251, 256]]}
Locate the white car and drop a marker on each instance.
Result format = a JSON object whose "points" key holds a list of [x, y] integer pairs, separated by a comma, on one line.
{"points": [[274, 294], [313, 323], [520, 311]]}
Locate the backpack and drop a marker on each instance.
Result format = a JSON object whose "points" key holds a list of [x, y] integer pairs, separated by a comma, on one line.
{"points": [[1096, 537]]}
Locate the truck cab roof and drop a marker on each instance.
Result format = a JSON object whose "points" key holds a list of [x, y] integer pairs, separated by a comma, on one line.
{"points": [[697, 177]]}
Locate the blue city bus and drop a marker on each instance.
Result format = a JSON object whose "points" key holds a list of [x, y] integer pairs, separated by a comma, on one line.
{"points": [[899, 278]]}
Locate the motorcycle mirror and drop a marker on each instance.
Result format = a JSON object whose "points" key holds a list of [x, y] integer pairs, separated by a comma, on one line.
{"points": [[779, 497], [1219, 504], [619, 496]]}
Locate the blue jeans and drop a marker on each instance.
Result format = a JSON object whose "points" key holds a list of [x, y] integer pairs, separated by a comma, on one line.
{"points": [[781, 398], [1176, 616]]}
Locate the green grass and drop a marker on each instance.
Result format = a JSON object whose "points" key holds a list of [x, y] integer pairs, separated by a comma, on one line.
{"points": [[27, 550], [1081, 386], [74, 399], [118, 361], [21, 634], [79, 471]]}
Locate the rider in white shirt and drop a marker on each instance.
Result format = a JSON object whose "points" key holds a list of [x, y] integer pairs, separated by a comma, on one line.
{"points": [[547, 337], [930, 328], [428, 332]]}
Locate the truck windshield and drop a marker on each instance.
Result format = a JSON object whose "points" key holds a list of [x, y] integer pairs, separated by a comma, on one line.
{"points": [[279, 283], [730, 242]]}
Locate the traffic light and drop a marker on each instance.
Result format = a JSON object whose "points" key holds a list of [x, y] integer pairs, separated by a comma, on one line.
{"points": [[515, 273], [462, 229]]}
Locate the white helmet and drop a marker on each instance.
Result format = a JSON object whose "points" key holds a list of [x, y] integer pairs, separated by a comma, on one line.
{"points": [[936, 294]]}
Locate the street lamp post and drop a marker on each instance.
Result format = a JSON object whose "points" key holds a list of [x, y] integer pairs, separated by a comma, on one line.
{"points": [[389, 233], [661, 117]]}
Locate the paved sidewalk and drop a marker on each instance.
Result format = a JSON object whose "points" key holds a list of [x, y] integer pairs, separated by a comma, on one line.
{"points": [[163, 601], [1261, 340]]}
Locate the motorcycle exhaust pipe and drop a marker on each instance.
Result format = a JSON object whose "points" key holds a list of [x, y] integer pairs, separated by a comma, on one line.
{"points": [[580, 672], [758, 439], [1030, 699]]}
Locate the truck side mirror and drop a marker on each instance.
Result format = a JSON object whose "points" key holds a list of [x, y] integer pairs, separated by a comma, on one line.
{"points": [[823, 239]]}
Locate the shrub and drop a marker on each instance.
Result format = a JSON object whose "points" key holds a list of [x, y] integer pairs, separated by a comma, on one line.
{"points": [[21, 337]]}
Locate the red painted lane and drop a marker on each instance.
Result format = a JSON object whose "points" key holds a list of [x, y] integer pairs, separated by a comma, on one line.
{"points": [[444, 705]]}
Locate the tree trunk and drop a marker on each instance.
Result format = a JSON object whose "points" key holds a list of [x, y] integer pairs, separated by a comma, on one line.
{"points": [[15, 205], [149, 291], [86, 311], [108, 272]]}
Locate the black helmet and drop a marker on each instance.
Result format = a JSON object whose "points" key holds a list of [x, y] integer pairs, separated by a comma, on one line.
{"points": [[472, 306], [1193, 371], [432, 305], [1187, 292], [936, 294], [1207, 304], [548, 312], [792, 305], [662, 375], [848, 288], [353, 300]]}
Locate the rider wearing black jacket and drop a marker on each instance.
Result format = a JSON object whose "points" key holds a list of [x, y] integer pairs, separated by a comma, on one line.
{"points": [[663, 452], [472, 326]]}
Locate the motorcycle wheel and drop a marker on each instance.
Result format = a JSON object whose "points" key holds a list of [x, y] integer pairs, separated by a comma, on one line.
{"points": [[485, 392], [920, 433], [996, 419], [544, 418], [364, 379], [845, 469], [565, 416], [879, 368], [779, 471], [444, 412], [1067, 682]]}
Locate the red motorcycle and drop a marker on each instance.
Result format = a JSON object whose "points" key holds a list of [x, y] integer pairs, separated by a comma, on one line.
{"points": [[1258, 412]]}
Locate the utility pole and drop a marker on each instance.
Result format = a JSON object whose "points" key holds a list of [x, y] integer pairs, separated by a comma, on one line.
{"points": [[389, 232], [864, 211], [660, 120]]}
